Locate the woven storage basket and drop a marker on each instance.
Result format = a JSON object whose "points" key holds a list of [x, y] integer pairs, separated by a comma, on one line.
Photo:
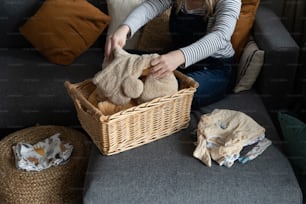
{"points": [[135, 126], [59, 184]]}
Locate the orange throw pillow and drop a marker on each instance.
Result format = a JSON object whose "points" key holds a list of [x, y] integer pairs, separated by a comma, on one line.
{"points": [[61, 30], [244, 25]]}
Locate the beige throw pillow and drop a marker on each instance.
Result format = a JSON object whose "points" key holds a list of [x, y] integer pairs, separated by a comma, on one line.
{"points": [[249, 67], [118, 10]]}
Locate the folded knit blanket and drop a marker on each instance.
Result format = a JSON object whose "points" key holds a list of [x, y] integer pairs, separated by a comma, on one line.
{"points": [[123, 79], [222, 134]]}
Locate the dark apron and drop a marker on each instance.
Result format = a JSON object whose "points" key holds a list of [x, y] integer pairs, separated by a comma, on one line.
{"points": [[185, 28]]}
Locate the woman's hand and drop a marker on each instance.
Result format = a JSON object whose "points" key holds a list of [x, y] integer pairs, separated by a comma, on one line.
{"points": [[166, 63], [117, 39]]}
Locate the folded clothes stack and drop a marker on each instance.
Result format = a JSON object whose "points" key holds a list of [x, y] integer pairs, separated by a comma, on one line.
{"points": [[226, 136], [42, 155]]}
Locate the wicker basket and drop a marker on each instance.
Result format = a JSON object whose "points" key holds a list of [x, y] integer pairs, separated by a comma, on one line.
{"points": [[135, 126]]}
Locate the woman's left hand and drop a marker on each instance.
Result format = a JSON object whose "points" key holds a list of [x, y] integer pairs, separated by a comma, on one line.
{"points": [[163, 64]]}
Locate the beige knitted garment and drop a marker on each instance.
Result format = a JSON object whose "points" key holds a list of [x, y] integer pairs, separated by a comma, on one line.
{"points": [[223, 133], [119, 81]]}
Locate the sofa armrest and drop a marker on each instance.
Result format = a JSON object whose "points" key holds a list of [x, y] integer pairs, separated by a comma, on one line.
{"points": [[276, 81]]}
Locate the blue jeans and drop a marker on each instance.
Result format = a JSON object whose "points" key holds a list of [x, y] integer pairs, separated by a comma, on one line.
{"points": [[214, 77]]}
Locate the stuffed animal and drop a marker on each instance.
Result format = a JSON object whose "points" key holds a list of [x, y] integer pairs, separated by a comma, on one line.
{"points": [[123, 79]]}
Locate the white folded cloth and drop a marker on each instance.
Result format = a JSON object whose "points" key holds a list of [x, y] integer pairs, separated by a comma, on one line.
{"points": [[42, 155]]}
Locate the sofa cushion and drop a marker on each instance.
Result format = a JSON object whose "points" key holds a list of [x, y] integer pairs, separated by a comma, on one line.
{"points": [[32, 89], [249, 66], [165, 171], [62, 30]]}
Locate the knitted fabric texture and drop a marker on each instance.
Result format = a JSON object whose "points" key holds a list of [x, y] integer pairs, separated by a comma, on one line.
{"points": [[119, 81], [223, 133]]}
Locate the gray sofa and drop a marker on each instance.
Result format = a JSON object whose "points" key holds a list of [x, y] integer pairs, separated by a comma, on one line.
{"points": [[164, 171]]}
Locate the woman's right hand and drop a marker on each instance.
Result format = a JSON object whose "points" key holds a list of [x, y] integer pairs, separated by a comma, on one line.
{"points": [[117, 39]]}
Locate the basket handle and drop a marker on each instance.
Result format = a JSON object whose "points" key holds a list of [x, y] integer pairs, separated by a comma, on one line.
{"points": [[81, 101]]}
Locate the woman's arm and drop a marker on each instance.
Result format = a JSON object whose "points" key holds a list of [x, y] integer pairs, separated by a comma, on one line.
{"points": [[219, 33], [136, 19]]}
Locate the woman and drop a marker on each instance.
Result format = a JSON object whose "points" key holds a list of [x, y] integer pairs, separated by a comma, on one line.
{"points": [[201, 36]]}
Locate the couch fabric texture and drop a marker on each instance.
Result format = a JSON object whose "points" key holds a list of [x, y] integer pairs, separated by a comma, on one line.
{"points": [[136, 176], [249, 67]]}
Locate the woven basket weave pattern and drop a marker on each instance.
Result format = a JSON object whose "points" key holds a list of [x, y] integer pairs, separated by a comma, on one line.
{"points": [[60, 184], [135, 126]]}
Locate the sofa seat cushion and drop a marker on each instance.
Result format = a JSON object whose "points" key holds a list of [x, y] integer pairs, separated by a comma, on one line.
{"points": [[165, 171], [32, 89]]}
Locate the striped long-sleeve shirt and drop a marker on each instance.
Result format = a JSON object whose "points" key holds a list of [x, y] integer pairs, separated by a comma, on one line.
{"points": [[216, 43]]}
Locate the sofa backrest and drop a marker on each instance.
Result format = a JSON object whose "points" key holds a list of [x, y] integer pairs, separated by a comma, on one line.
{"points": [[13, 13]]}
